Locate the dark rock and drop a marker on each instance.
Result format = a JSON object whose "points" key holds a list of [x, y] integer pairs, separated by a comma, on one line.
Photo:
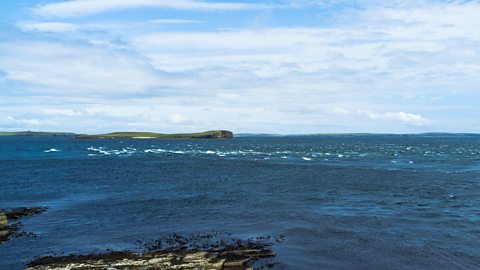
{"points": [[13, 230], [4, 234], [169, 253], [3, 220], [18, 213], [4, 231]]}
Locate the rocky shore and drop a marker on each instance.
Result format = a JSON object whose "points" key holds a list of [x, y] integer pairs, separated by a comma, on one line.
{"points": [[211, 251], [9, 224], [174, 252]]}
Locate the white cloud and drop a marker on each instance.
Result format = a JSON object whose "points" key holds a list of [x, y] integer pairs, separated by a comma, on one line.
{"points": [[77, 8], [402, 117], [399, 117], [176, 118], [387, 65], [62, 112], [68, 69], [28, 122]]}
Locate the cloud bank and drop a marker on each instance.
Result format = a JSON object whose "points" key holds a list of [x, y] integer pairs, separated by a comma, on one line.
{"points": [[404, 66]]}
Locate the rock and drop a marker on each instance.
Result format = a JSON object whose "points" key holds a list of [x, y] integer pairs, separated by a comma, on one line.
{"points": [[223, 254], [159, 260], [4, 234], [7, 231], [221, 134], [18, 213], [3, 220]]}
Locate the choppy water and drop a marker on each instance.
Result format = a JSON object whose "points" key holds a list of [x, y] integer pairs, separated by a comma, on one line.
{"points": [[382, 202]]}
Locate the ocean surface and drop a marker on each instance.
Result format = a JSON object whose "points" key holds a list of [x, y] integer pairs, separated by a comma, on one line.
{"points": [[371, 202]]}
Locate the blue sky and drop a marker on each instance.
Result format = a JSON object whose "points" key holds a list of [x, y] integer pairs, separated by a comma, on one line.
{"points": [[299, 66]]}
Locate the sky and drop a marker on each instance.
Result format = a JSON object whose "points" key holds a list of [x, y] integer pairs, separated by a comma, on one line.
{"points": [[292, 66]]}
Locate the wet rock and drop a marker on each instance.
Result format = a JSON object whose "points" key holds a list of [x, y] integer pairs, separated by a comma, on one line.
{"points": [[159, 260], [18, 213], [225, 254], [7, 216], [4, 231], [3, 220]]}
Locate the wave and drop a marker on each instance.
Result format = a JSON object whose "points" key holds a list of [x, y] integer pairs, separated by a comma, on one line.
{"points": [[103, 151]]}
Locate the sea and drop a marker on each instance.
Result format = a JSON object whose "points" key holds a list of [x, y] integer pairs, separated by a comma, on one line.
{"points": [[337, 202]]}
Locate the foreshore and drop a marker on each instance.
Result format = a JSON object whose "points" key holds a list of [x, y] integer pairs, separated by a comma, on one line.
{"points": [[207, 251], [239, 256]]}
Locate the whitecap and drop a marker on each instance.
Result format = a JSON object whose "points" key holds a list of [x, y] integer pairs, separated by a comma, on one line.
{"points": [[154, 151], [209, 152], [306, 158], [51, 150]]}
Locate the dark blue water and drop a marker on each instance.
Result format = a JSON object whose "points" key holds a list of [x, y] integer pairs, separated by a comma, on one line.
{"points": [[383, 202]]}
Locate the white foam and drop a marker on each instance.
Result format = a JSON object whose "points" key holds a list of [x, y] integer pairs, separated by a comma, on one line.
{"points": [[154, 151], [306, 158], [51, 150], [124, 151], [99, 150]]}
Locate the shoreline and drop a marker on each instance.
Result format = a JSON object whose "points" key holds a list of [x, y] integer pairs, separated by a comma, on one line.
{"points": [[206, 251]]}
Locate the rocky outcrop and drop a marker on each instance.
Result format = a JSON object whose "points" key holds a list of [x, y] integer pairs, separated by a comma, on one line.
{"points": [[4, 231], [12, 216], [176, 252], [235, 259], [220, 134]]}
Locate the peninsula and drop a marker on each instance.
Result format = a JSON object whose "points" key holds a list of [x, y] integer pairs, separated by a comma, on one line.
{"points": [[36, 133], [212, 134]]}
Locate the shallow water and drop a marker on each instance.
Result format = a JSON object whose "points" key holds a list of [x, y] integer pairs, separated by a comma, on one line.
{"points": [[383, 202]]}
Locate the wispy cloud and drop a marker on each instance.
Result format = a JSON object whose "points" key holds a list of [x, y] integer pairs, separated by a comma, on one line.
{"points": [[396, 117], [173, 21], [402, 117], [64, 69], [78, 8], [389, 67]]}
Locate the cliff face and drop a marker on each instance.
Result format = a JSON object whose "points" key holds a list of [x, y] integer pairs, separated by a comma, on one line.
{"points": [[220, 134]]}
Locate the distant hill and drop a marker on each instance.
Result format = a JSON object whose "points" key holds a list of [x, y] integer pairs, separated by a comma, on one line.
{"points": [[36, 133], [212, 134], [428, 134]]}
